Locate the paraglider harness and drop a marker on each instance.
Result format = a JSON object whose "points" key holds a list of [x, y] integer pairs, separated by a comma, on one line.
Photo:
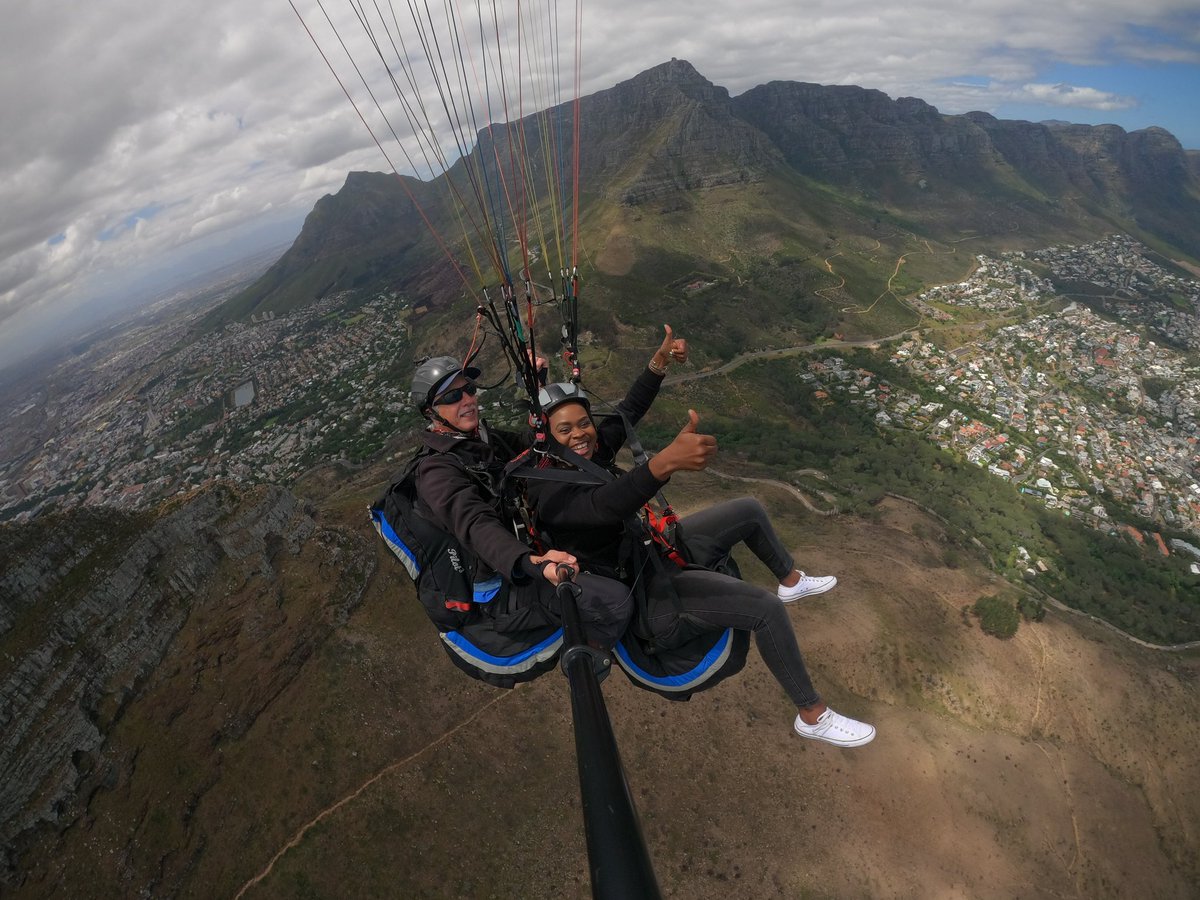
{"points": [[471, 617], [465, 612], [679, 657], [683, 654]]}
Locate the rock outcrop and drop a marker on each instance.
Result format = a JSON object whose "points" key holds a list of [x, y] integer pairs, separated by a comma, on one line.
{"points": [[839, 131], [849, 135]]}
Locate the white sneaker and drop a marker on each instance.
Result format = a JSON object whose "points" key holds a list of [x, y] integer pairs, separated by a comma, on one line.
{"points": [[839, 730], [806, 587]]}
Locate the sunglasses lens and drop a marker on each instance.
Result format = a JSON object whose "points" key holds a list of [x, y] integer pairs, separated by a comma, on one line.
{"points": [[451, 397]]}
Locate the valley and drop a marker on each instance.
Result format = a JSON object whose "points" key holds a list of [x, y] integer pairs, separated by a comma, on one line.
{"points": [[1054, 763], [1083, 413]]}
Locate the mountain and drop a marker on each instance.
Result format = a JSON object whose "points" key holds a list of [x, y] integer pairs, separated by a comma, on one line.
{"points": [[369, 231], [666, 132], [657, 141]]}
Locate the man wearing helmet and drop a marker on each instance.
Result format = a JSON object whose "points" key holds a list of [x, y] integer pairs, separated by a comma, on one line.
{"points": [[458, 484]]}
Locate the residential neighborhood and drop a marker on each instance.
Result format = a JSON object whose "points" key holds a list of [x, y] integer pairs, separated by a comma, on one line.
{"points": [[1076, 410], [252, 402]]}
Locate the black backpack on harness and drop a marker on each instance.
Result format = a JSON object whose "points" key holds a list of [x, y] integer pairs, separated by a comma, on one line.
{"points": [[465, 613]]}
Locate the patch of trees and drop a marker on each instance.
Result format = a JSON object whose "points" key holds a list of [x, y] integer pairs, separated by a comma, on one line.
{"points": [[194, 420], [1031, 609], [1156, 387], [1115, 579], [997, 616]]}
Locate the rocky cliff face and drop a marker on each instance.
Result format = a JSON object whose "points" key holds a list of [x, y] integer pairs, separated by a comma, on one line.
{"points": [[669, 131], [90, 604], [832, 131], [839, 131], [862, 137], [665, 131], [362, 236]]}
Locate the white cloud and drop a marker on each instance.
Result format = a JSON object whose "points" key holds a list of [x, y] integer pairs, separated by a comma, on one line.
{"points": [[1077, 97]]}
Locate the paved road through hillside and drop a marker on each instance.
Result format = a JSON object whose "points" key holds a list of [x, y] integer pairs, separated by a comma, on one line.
{"points": [[742, 358]]}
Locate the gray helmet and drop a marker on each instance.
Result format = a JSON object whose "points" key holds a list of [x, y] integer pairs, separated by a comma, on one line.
{"points": [[432, 377], [553, 396]]}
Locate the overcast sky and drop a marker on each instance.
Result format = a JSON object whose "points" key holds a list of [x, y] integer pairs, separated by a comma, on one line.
{"points": [[140, 136]]}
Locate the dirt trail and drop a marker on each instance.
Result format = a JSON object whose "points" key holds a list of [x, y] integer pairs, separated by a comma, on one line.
{"points": [[296, 838], [791, 489]]}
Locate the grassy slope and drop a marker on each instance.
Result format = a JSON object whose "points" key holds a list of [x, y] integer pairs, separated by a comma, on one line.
{"points": [[1001, 768]]}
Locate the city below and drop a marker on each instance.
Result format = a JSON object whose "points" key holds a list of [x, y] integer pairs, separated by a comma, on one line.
{"points": [[1094, 415]]}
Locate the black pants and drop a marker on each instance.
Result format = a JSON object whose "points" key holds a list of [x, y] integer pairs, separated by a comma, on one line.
{"points": [[605, 607], [713, 532], [727, 601]]}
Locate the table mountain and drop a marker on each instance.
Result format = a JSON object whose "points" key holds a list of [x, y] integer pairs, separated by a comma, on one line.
{"points": [[656, 139]]}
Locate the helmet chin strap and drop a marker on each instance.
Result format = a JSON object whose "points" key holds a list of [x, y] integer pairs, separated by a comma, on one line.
{"points": [[436, 419]]}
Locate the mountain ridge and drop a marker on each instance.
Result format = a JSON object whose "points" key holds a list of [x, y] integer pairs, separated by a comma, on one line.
{"points": [[657, 140]]}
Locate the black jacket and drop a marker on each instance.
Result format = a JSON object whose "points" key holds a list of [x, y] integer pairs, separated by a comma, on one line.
{"points": [[458, 488], [587, 519]]}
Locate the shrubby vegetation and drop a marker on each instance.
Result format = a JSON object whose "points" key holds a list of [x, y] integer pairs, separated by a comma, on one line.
{"points": [[1156, 387], [1031, 609], [997, 616]]}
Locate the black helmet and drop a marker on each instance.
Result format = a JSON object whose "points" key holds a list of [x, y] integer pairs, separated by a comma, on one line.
{"points": [[553, 396], [432, 377]]}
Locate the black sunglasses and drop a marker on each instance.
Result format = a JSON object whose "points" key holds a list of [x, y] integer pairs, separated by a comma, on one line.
{"points": [[451, 397]]}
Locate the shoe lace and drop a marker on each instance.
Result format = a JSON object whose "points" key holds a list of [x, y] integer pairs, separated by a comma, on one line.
{"points": [[825, 721]]}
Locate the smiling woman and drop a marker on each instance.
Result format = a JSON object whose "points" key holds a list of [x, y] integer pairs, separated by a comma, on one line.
{"points": [[693, 611]]}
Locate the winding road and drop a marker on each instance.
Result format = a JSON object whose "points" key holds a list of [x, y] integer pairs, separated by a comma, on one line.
{"points": [[742, 358]]}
